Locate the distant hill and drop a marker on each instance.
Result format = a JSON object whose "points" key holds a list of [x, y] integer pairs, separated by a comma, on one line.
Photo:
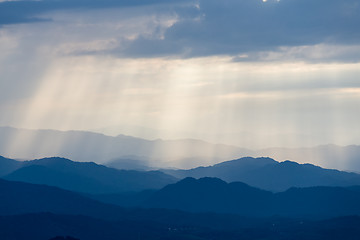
{"points": [[85, 177], [88, 146], [266, 173]]}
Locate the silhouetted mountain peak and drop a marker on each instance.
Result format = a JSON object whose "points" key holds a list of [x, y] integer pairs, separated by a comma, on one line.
{"points": [[206, 194], [202, 182], [247, 161], [50, 161], [196, 185], [268, 174], [211, 185], [289, 163], [85, 176], [211, 180]]}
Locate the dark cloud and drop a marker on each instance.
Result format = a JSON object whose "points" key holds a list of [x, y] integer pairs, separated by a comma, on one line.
{"points": [[233, 27], [252, 28], [13, 12]]}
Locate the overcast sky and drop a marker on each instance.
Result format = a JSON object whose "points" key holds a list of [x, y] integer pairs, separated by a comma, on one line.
{"points": [[253, 73]]}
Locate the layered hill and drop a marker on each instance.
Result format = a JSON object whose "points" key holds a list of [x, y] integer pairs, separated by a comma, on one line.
{"points": [[215, 195], [20, 198], [86, 177], [207, 195], [266, 173]]}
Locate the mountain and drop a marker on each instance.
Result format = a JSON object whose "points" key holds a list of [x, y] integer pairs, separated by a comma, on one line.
{"points": [[88, 146], [86, 177], [215, 195], [211, 195], [268, 174]]}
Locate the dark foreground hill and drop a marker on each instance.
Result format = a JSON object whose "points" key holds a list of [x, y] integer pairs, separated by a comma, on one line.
{"points": [[266, 173], [20, 198], [84, 177], [215, 195], [203, 195], [38, 212], [45, 226]]}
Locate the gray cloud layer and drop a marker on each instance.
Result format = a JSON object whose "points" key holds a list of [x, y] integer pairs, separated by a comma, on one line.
{"points": [[13, 12], [227, 27], [234, 27]]}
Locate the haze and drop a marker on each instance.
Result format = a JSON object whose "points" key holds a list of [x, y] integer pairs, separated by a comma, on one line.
{"points": [[250, 73]]}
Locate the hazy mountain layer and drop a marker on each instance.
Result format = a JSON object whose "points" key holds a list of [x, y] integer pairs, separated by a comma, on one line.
{"points": [[88, 146], [204, 195], [188, 153], [84, 177], [266, 173]]}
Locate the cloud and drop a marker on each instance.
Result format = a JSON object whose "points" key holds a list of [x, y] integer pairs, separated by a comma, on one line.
{"points": [[319, 53], [248, 30], [233, 27], [229, 65], [14, 12]]}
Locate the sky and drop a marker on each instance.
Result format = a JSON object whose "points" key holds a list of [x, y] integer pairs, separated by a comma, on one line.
{"points": [[251, 73]]}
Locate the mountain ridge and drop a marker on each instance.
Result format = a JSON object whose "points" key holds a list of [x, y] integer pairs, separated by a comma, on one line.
{"points": [[215, 195], [207, 195], [268, 174], [86, 176]]}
